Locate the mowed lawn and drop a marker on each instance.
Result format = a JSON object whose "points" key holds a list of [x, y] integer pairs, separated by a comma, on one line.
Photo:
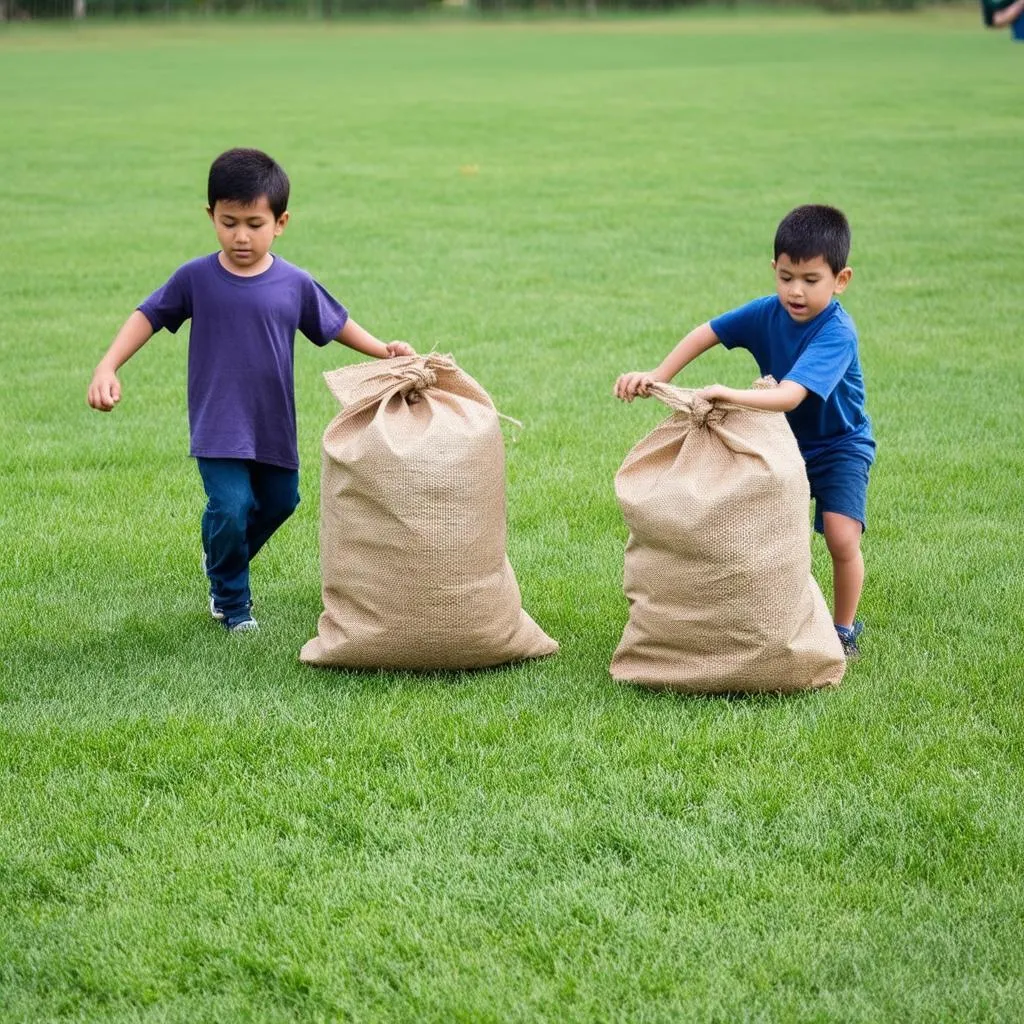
{"points": [[195, 827]]}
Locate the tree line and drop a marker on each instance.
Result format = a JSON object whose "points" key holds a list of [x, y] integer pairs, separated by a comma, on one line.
{"points": [[16, 10]]}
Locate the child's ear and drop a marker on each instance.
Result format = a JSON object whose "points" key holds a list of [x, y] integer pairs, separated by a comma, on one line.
{"points": [[209, 212], [843, 279], [282, 223]]}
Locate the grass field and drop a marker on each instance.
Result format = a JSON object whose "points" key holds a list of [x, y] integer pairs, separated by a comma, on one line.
{"points": [[194, 827]]}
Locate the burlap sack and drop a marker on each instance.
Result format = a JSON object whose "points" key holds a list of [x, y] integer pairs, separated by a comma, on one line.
{"points": [[718, 563], [412, 525]]}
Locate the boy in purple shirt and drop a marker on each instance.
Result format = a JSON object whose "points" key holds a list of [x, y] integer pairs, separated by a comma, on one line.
{"points": [[805, 339], [245, 305]]}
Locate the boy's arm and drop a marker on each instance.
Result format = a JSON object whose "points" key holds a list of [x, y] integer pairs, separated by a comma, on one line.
{"points": [[783, 398], [105, 388], [699, 340], [360, 339], [1006, 16]]}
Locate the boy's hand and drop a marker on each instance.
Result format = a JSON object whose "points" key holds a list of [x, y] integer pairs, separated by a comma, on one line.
{"points": [[104, 390], [629, 385], [709, 394], [399, 348]]}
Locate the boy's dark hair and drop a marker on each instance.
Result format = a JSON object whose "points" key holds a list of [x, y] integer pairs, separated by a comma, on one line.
{"points": [[810, 231], [243, 175]]}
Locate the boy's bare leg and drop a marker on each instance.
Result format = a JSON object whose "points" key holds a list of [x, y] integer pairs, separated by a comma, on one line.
{"points": [[842, 535]]}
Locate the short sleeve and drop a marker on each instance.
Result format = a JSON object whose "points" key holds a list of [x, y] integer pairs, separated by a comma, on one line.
{"points": [[321, 316], [988, 11], [171, 304], [742, 327], [826, 359]]}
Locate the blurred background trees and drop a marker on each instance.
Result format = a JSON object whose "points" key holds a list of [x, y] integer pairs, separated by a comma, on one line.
{"points": [[15, 10]]}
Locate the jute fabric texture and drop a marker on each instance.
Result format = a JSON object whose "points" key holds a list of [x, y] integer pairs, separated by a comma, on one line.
{"points": [[718, 562], [412, 525]]}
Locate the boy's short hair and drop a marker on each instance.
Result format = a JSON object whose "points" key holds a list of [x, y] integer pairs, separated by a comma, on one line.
{"points": [[243, 175], [810, 231]]}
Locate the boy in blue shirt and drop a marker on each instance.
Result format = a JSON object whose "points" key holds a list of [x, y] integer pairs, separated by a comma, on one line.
{"points": [[245, 305], [805, 339]]}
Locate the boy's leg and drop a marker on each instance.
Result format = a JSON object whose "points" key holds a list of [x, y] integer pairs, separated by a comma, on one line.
{"points": [[276, 491], [230, 501], [842, 535], [839, 485]]}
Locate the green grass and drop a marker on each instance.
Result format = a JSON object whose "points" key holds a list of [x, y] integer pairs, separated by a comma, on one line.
{"points": [[198, 829]]}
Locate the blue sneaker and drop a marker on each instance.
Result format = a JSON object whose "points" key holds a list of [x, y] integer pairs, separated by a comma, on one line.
{"points": [[848, 638], [245, 624]]}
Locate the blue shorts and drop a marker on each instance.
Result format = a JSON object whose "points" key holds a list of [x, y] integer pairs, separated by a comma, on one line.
{"points": [[839, 483]]}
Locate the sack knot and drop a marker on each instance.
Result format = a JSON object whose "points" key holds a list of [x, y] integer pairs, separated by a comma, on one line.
{"points": [[700, 411], [418, 378]]}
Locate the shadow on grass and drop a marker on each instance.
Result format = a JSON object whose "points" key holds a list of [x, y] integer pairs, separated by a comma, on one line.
{"points": [[739, 697], [192, 646], [190, 649], [415, 678]]}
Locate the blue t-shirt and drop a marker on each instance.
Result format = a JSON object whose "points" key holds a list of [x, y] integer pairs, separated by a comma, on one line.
{"points": [[241, 383], [820, 354]]}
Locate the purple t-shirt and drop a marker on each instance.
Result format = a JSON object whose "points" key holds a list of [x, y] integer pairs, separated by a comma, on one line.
{"points": [[241, 383]]}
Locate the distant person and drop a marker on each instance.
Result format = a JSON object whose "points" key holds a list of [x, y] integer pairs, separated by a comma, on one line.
{"points": [[805, 339], [1000, 13], [245, 305]]}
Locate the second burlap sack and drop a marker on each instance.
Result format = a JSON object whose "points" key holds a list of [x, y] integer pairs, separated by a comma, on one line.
{"points": [[412, 525], [718, 562]]}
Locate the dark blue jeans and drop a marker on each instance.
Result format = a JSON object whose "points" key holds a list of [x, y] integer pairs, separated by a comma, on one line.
{"points": [[246, 502]]}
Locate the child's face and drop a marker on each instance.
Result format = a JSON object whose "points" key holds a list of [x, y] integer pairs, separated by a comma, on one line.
{"points": [[246, 233], [806, 288]]}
